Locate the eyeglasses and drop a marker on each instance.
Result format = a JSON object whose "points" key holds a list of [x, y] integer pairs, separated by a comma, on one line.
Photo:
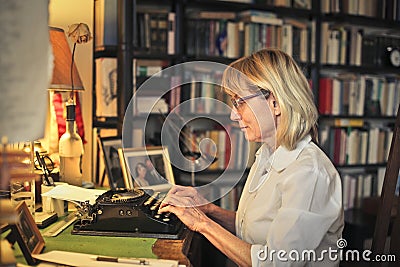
{"points": [[236, 102]]}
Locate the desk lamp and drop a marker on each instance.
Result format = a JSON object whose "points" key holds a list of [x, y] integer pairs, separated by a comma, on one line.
{"points": [[66, 79]]}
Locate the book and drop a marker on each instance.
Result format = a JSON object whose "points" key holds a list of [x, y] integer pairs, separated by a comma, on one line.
{"points": [[369, 47], [212, 15], [287, 39], [105, 24], [325, 95], [233, 41], [171, 33]]}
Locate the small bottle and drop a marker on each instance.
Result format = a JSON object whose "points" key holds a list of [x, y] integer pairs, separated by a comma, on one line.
{"points": [[70, 150]]}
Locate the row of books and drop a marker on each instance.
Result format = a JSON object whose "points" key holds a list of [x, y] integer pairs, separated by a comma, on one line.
{"points": [[230, 148], [194, 97], [305, 4], [202, 96], [359, 185], [356, 145], [359, 95], [384, 9], [351, 45], [233, 35], [153, 31]]}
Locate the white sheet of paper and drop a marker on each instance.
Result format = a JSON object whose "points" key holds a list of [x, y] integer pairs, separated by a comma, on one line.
{"points": [[74, 193], [86, 260], [25, 69]]}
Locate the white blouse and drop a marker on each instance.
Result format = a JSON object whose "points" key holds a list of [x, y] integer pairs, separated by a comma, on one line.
{"points": [[292, 201]]}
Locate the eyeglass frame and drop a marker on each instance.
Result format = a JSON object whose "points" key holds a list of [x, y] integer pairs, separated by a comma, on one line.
{"points": [[236, 102]]}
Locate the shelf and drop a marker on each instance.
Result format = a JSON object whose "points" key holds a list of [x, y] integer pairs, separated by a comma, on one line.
{"points": [[362, 69], [334, 117], [111, 51], [313, 70], [208, 176], [237, 7], [364, 166], [223, 60], [346, 19], [108, 124]]}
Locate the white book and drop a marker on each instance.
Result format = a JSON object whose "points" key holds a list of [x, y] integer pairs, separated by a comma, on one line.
{"points": [[359, 190], [373, 145], [325, 6], [106, 23], [353, 147], [333, 47], [324, 42], [343, 46], [380, 178], [352, 192], [221, 149], [346, 187], [262, 20], [304, 45], [287, 39], [397, 98], [343, 145], [367, 186], [232, 49], [361, 96], [384, 94], [353, 97], [389, 137], [171, 33], [358, 48], [336, 96], [364, 147], [313, 42], [391, 87]]}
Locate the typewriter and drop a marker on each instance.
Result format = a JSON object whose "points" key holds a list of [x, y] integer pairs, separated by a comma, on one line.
{"points": [[127, 212]]}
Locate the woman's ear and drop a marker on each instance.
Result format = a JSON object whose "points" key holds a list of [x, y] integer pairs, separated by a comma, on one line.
{"points": [[276, 107]]}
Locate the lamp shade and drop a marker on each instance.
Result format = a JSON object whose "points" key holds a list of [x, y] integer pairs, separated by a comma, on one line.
{"points": [[61, 80]]}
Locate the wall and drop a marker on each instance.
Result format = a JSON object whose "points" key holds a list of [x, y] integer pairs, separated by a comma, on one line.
{"points": [[63, 13]]}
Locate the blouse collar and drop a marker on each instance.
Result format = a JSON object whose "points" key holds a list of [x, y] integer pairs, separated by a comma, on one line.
{"points": [[282, 157]]}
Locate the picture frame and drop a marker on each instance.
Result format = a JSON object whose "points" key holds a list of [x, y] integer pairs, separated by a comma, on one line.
{"points": [[27, 234], [147, 168], [109, 147]]}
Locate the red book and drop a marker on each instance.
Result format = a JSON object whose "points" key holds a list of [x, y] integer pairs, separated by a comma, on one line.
{"points": [[325, 96]]}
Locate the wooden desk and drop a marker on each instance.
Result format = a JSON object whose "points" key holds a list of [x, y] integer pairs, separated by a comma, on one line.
{"points": [[186, 250]]}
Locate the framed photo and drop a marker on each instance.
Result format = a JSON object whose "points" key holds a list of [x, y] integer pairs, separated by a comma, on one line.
{"points": [[27, 234], [110, 146], [147, 168]]}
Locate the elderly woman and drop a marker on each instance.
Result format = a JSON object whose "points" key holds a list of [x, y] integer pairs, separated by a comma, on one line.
{"points": [[290, 211]]}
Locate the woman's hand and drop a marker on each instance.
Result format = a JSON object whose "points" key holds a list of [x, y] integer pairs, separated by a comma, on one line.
{"points": [[185, 196], [186, 210]]}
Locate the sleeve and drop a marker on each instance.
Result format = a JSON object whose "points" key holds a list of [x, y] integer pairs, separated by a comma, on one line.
{"points": [[311, 203]]}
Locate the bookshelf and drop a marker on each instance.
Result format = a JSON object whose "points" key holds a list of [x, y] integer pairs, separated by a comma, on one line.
{"points": [[358, 94], [341, 46]]}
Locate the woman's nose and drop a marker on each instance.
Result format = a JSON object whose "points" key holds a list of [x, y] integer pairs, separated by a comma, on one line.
{"points": [[235, 116]]}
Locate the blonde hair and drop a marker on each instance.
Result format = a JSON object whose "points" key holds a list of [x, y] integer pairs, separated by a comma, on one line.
{"points": [[274, 70]]}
